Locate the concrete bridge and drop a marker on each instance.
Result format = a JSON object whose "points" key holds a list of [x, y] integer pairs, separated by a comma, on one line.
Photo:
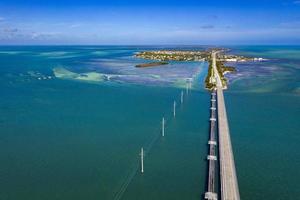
{"points": [[228, 178], [211, 193]]}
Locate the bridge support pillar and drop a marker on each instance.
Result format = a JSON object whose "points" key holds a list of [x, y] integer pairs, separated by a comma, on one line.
{"points": [[211, 196], [210, 157], [211, 142]]}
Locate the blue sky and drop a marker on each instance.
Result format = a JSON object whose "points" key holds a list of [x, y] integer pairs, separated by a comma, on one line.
{"points": [[149, 22]]}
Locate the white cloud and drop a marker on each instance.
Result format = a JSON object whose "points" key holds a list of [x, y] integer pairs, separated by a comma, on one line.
{"points": [[75, 25], [44, 35], [10, 30], [208, 26], [13, 33], [290, 25]]}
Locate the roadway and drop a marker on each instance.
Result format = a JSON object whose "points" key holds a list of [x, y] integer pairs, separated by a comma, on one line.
{"points": [[228, 178], [211, 193]]}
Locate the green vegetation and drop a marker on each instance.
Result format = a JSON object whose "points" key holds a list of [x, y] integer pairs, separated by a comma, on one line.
{"points": [[208, 84], [153, 64], [193, 55], [222, 69], [175, 55], [228, 69]]}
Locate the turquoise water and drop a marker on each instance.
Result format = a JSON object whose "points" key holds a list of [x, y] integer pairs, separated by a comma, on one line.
{"points": [[263, 109], [76, 134]]}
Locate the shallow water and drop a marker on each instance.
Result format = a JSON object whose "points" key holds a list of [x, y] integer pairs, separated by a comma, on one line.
{"points": [[62, 138]]}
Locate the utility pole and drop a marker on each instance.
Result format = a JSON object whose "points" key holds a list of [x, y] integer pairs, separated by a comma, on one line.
{"points": [[181, 97], [163, 127], [174, 109], [142, 160], [187, 87]]}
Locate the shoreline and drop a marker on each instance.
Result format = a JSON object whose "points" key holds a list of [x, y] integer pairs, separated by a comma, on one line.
{"points": [[152, 64]]}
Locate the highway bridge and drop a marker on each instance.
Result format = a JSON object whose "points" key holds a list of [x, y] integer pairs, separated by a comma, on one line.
{"points": [[211, 193], [228, 180]]}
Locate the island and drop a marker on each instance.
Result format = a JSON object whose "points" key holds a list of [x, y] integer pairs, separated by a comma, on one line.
{"points": [[193, 55], [198, 55], [210, 83], [173, 55], [152, 64]]}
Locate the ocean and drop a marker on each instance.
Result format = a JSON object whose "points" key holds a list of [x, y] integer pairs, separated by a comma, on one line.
{"points": [[74, 118]]}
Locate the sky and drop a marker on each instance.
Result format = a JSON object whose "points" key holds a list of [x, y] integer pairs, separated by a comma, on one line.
{"points": [[152, 22]]}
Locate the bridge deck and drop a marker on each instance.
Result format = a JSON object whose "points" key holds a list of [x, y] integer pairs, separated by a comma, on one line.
{"points": [[229, 184], [228, 178], [212, 159]]}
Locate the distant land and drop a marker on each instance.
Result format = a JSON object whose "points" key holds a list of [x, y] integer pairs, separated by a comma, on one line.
{"points": [[162, 56], [178, 55], [152, 64]]}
